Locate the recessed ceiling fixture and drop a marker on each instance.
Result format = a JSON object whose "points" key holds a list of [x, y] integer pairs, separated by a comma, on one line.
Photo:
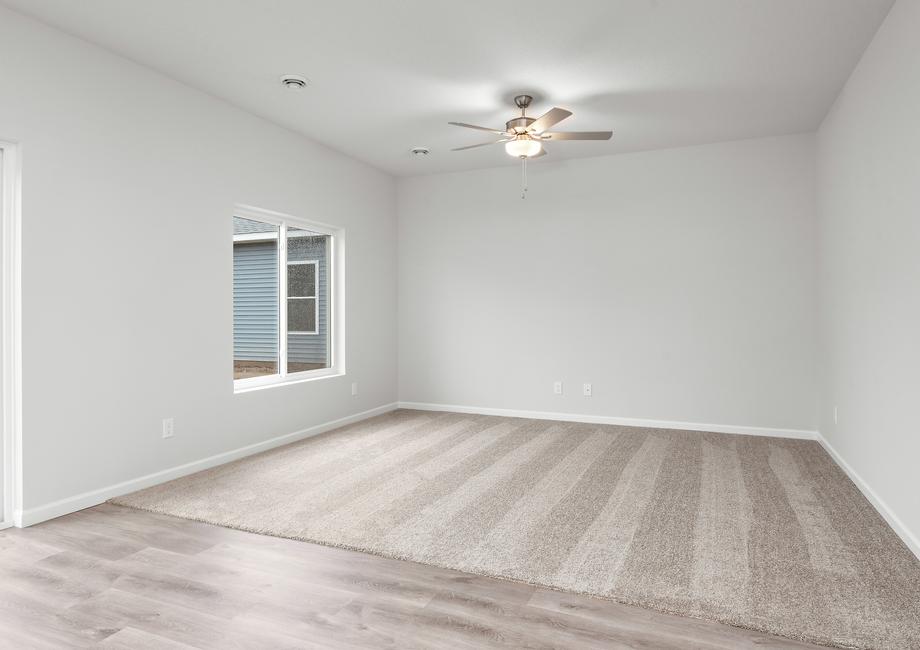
{"points": [[524, 136], [420, 151], [294, 82]]}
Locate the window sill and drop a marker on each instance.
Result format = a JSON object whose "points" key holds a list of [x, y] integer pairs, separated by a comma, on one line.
{"points": [[272, 381]]}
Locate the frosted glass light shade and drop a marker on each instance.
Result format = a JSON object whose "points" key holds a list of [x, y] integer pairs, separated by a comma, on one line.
{"points": [[523, 147]]}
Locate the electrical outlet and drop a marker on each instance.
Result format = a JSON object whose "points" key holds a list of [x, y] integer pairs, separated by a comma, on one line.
{"points": [[168, 428], [557, 388], [586, 390], [354, 388]]}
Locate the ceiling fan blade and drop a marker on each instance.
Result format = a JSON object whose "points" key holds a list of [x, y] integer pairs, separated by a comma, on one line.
{"points": [[481, 144], [478, 128], [550, 117], [579, 135]]}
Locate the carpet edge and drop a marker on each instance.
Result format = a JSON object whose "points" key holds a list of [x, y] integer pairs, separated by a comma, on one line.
{"points": [[496, 576]]}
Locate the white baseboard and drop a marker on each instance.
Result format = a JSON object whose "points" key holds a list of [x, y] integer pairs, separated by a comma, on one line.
{"points": [[88, 499], [95, 497], [802, 434], [911, 540]]}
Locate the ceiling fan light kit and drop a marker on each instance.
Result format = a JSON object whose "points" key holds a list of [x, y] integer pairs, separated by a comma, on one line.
{"points": [[523, 146], [524, 136]]}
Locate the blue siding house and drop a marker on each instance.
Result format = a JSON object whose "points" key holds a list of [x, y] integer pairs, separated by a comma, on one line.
{"points": [[256, 296]]}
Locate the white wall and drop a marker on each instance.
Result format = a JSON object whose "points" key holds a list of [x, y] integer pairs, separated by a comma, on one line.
{"points": [[679, 282], [129, 182], [869, 280]]}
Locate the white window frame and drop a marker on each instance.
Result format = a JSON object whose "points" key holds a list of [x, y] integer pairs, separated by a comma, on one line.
{"points": [[314, 297], [335, 286]]}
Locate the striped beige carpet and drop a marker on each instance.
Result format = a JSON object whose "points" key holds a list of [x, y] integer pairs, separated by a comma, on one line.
{"points": [[763, 533]]}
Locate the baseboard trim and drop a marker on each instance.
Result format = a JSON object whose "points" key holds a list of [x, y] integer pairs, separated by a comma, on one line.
{"points": [[801, 434], [62, 507], [910, 540], [66, 506]]}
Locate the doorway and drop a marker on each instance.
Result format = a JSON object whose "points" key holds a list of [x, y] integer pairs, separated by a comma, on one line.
{"points": [[10, 349]]}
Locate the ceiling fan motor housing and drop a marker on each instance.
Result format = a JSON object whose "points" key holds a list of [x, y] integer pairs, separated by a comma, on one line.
{"points": [[519, 124]]}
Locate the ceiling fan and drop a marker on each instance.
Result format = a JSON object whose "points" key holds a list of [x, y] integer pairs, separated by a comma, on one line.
{"points": [[524, 136]]}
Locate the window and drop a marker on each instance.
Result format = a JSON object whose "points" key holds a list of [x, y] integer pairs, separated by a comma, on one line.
{"points": [[283, 299], [303, 305]]}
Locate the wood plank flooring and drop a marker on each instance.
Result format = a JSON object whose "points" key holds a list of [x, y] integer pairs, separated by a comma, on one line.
{"points": [[114, 577]]}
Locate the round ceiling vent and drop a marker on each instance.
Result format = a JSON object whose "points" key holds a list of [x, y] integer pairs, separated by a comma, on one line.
{"points": [[294, 82]]}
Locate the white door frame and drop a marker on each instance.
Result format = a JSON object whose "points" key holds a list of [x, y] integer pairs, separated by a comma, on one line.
{"points": [[11, 333]]}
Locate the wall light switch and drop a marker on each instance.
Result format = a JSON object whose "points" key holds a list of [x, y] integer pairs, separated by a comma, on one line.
{"points": [[557, 388], [354, 388], [586, 389], [168, 428]]}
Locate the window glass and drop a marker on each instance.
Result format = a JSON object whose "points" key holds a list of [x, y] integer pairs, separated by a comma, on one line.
{"points": [[302, 315], [307, 300], [301, 280], [255, 298], [282, 300]]}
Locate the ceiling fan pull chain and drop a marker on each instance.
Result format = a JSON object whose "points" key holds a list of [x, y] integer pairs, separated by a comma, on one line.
{"points": [[523, 177]]}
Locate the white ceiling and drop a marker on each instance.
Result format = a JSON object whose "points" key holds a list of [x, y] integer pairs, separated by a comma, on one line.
{"points": [[389, 75]]}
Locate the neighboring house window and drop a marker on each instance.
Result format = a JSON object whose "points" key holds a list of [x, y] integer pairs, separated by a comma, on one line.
{"points": [[303, 305], [283, 299]]}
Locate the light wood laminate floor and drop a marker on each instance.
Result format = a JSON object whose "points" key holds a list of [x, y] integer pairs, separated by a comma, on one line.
{"points": [[114, 577]]}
